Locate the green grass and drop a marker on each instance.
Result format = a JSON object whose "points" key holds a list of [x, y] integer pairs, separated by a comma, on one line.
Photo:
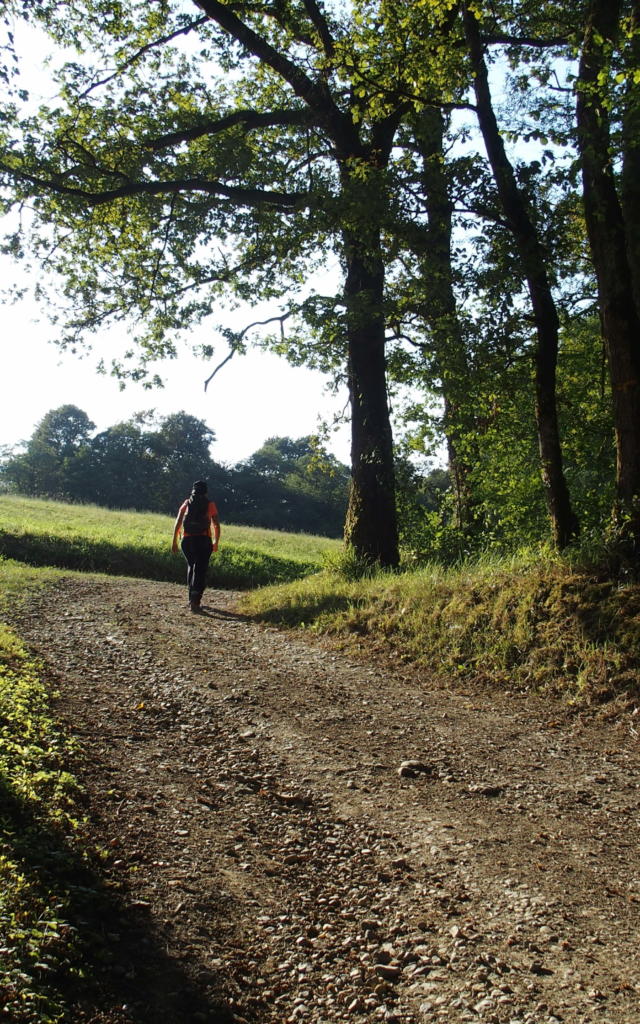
{"points": [[38, 850], [532, 622], [91, 539]]}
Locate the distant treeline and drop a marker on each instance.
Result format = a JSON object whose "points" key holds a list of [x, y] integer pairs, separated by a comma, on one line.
{"points": [[145, 464], [150, 464]]}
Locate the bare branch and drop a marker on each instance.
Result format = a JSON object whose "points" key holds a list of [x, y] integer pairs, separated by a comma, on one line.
{"points": [[237, 339], [397, 335], [263, 323], [141, 52], [219, 367]]}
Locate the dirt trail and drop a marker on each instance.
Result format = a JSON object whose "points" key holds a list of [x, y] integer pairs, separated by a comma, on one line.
{"points": [[266, 861]]}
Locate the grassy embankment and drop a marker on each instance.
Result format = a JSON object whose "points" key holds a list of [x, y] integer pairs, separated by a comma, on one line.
{"points": [[532, 622], [91, 539]]}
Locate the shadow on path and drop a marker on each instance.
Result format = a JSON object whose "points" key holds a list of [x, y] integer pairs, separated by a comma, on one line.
{"points": [[221, 613], [104, 960]]}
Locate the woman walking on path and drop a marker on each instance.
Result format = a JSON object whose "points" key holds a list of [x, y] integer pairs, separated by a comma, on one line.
{"points": [[194, 520]]}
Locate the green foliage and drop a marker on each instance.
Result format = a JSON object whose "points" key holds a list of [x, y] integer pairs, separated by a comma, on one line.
{"points": [[286, 485], [38, 817], [132, 464], [291, 485], [229, 161], [501, 447], [348, 565]]}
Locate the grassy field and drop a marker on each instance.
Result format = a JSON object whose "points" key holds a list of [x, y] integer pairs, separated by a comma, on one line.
{"points": [[92, 539]]}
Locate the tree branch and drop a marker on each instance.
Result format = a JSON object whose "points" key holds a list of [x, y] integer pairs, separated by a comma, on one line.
{"points": [[319, 22], [250, 119], [165, 242], [141, 52], [270, 320], [383, 132], [497, 38], [284, 201], [280, 18], [237, 339], [225, 274], [315, 94], [219, 367]]}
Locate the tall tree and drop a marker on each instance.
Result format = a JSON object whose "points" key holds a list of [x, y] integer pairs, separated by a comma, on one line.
{"points": [[441, 313], [179, 450], [612, 225], [122, 470], [55, 459], [536, 273], [140, 171], [290, 484]]}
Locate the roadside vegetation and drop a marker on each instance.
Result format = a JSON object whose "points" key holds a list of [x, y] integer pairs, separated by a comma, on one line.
{"points": [[530, 621], [40, 817], [533, 621]]}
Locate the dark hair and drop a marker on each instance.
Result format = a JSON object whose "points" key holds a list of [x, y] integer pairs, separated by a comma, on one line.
{"points": [[199, 487], [198, 505]]}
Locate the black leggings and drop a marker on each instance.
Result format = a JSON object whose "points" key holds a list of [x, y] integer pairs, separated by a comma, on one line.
{"points": [[197, 551]]}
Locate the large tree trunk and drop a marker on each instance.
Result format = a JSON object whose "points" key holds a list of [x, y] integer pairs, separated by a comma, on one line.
{"points": [[441, 313], [563, 519], [608, 240], [630, 178], [371, 524]]}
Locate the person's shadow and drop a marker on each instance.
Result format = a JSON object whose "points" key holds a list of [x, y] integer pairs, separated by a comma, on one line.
{"points": [[221, 613]]}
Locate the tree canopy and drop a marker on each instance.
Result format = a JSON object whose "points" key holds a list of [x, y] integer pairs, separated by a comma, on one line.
{"points": [[466, 171]]}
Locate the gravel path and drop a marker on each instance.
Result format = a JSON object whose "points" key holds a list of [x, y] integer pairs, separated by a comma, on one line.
{"points": [[270, 857]]}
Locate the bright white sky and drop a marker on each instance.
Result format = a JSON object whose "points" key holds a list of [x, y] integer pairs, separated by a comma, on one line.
{"points": [[252, 398]]}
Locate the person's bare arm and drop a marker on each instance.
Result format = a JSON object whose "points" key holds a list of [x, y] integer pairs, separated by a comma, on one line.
{"points": [[215, 522], [176, 531]]}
